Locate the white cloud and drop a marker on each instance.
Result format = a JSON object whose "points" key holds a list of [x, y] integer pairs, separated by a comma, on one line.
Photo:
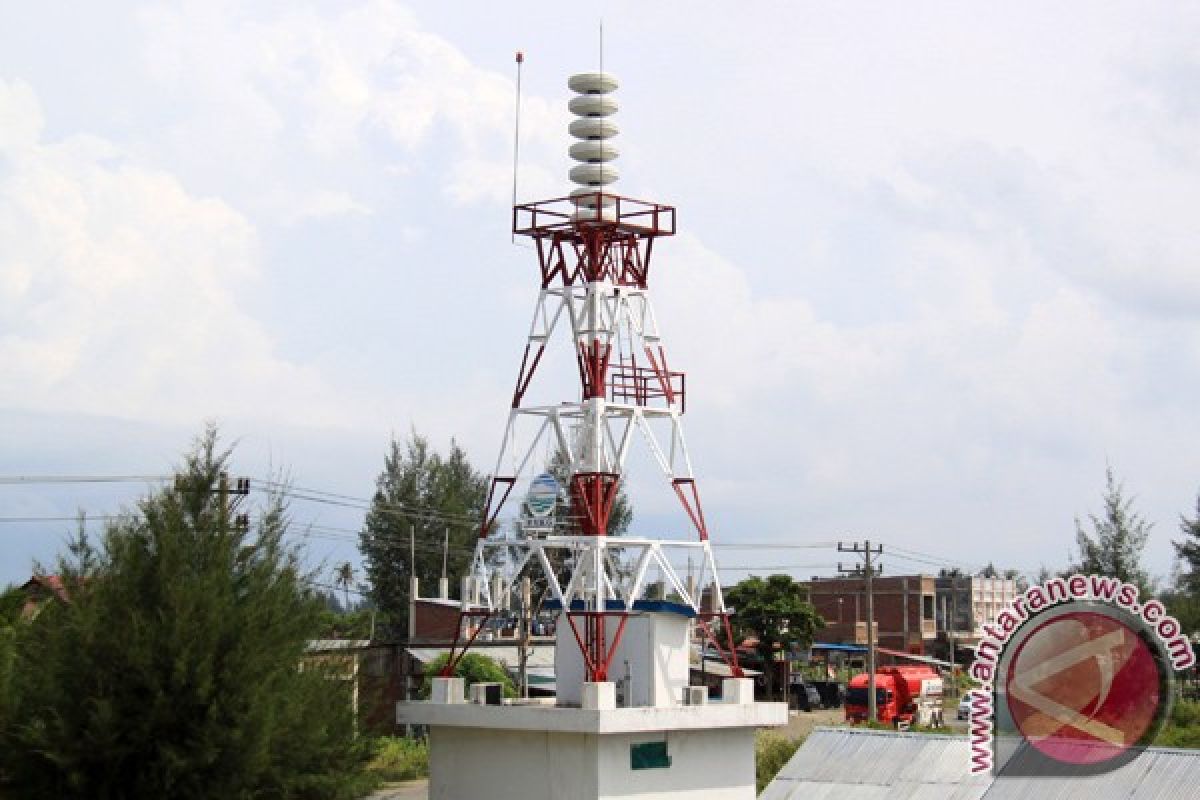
{"points": [[302, 88], [938, 264], [121, 289]]}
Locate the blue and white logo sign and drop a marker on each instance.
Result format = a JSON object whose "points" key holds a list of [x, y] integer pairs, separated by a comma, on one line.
{"points": [[543, 494]]}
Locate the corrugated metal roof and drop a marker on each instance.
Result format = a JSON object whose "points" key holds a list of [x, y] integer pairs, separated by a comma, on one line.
{"points": [[1155, 774], [330, 645], [539, 655], [869, 765], [858, 764]]}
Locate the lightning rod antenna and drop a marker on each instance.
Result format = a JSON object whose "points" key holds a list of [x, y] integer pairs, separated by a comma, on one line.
{"points": [[517, 135]]}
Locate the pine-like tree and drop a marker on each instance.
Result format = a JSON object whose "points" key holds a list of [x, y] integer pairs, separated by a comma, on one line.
{"points": [[431, 499], [1117, 540], [1187, 550], [172, 667]]}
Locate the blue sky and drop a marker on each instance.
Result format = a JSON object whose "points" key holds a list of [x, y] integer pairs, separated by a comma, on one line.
{"points": [[936, 268]]}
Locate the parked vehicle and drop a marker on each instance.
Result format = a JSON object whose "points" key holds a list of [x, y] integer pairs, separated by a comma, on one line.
{"points": [[832, 693], [903, 696], [805, 697], [964, 707]]}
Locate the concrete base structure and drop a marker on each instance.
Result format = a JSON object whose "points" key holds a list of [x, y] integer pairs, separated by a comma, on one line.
{"points": [[529, 752]]}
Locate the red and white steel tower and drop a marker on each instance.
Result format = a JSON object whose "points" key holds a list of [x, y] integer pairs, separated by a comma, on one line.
{"points": [[594, 251]]}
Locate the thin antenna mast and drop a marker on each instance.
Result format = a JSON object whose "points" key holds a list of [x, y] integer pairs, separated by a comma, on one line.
{"points": [[517, 135]]}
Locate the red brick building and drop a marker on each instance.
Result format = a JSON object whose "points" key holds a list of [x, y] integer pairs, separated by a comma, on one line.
{"points": [[905, 611]]}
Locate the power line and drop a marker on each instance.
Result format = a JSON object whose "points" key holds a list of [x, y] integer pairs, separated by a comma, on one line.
{"points": [[76, 518], [931, 558], [53, 479]]}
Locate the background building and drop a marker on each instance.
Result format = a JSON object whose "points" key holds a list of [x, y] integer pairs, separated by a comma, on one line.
{"points": [[905, 611], [965, 603]]}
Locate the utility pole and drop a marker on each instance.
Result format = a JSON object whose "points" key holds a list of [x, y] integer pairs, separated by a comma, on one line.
{"points": [[412, 550], [229, 496], [445, 551], [867, 571], [523, 653]]}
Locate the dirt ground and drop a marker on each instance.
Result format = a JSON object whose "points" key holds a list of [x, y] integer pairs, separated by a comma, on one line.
{"points": [[801, 723], [408, 790]]}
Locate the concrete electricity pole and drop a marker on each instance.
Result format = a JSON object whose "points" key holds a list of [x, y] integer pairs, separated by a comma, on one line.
{"points": [[867, 571], [523, 653], [229, 496]]}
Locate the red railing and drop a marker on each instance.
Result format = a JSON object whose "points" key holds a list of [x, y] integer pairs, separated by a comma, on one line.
{"points": [[564, 213], [640, 385]]}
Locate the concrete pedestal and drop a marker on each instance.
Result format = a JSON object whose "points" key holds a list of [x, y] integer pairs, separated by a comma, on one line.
{"points": [[530, 752]]}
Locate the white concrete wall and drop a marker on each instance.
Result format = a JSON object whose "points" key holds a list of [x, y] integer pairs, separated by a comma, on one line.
{"points": [[568, 664], [705, 765], [469, 763], [533, 765], [653, 652]]}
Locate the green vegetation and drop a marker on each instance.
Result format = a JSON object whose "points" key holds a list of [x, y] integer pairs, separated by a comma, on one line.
{"points": [[416, 477], [11, 602], [771, 753], [172, 671], [400, 759], [1118, 537], [344, 624], [1184, 600], [472, 668], [777, 613], [1183, 727]]}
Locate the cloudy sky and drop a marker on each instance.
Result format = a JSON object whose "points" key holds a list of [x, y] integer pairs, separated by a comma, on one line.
{"points": [[937, 264]]}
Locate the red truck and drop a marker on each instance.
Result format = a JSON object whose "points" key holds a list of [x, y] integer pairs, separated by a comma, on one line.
{"points": [[903, 695]]}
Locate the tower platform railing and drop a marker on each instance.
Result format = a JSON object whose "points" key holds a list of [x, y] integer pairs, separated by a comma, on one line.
{"points": [[562, 215]]}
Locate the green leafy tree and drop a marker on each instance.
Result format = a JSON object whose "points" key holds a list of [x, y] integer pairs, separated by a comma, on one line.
{"points": [[344, 624], [172, 670], [1183, 599], [430, 497], [12, 599], [1118, 537], [1187, 550], [472, 668], [776, 612]]}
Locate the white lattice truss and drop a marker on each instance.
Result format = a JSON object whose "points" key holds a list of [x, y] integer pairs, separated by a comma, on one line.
{"points": [[595, 436], [607, 573]]}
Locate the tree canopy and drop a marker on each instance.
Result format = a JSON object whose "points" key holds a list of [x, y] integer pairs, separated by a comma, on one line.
{"points": [[472, 668], [1118, 537], [1187, 550], [776, 612], [431, 498], [1183, 598], [172, 669]]}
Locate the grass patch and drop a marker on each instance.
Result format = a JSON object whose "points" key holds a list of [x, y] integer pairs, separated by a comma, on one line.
{"points": [[885, 726], [400, 759], [1183, 727], [771, 752]]}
